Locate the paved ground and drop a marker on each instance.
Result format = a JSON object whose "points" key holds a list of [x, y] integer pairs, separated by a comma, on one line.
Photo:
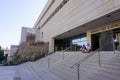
{"points": [[7, 72]]}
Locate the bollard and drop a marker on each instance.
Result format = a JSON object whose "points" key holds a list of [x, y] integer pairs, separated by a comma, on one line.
{"points": [[63, 55], [17, 78], [48, 62]]}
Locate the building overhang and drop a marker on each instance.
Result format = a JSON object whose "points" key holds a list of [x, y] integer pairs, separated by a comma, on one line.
{"points": [[102, 21]]}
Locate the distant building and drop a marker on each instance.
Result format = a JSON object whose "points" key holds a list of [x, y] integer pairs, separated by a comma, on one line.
{"points": [[13, 49], [7, 51], [27, 34], [30, 37]]}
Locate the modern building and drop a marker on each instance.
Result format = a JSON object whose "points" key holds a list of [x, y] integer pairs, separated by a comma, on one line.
{"points": [[27, 34], [63, 23]]}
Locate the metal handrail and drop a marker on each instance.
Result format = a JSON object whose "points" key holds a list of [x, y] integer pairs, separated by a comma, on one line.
{"points": [[49, 58], [66, 50], [78, 63], [84, 59], [88, 56]]}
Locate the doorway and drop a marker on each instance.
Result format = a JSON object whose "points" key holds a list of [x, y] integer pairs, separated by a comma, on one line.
{"points": [[117, 36], [95, 42], [102, 40]]}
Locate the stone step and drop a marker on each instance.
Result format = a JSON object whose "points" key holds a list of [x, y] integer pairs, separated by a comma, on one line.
{"points": [[90, 63], [105, 75], [32, 72], [71, 72], [64, 67], [63, 74], [42, 72], [112, 58], [102, 65], [25, 75], [89, 69]]}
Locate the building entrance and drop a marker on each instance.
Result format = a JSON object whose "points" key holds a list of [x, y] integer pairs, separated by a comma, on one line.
{"points": [[117, 37], [102, 40], [75, 42], [95, 41]]}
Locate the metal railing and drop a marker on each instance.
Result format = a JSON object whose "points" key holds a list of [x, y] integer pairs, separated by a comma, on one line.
{"points": [[63, 55], [74, 48], [78, 63], [68, 48], [85, 58]]}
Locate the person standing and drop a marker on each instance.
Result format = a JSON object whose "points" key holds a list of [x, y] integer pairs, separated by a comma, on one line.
{"points": [[88, 47], [116, 43]]}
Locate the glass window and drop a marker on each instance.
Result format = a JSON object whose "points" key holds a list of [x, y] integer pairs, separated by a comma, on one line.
{"points": [[80, 41]]}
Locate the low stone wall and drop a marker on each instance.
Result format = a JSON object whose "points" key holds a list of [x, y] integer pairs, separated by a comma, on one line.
{"points": [[30, 52]]}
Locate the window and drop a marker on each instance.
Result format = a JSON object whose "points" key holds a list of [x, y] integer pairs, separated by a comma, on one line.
{"points": [[80, 41]]}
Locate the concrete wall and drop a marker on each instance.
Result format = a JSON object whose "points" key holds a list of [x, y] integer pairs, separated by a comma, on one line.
{"points": [[73, 14], [24, 33]]}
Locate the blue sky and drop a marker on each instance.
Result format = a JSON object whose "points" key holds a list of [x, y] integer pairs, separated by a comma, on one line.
{"points": [[15, 14]]}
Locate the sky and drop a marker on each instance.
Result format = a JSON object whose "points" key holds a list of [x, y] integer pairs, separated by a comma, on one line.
{"points": [[15, 14]]}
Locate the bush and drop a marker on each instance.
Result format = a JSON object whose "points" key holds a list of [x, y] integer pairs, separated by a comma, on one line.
{"points": [[10, 63]]}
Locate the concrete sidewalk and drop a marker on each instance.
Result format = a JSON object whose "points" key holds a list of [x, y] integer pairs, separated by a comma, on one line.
{"points": [[8, 72]]}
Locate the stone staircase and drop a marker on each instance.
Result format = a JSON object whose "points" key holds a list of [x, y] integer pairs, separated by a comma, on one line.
{"points": [[90, 69], [39, 70], [60, 69], [32, 71]]}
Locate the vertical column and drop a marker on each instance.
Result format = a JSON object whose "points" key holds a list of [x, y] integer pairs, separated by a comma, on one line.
{"points": [[88, 37]]}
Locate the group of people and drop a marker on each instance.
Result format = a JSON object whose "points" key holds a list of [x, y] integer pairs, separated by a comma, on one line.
{"points": [[85, 48]]}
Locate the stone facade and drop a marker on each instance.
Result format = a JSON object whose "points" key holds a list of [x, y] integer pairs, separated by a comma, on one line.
{"points": [[60, 16]]}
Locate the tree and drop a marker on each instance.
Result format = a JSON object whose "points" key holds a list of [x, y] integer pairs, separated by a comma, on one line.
{"points": [[1, 56]]}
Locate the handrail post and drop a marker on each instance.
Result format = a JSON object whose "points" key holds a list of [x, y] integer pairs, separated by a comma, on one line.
{"points": [[75, 47], [113, 47], [99, 57], [78, 72], [48, 62], [63, 55]]}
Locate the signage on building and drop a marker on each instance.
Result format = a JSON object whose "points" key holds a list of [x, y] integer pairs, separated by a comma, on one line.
{"points": [[105, 28]]}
